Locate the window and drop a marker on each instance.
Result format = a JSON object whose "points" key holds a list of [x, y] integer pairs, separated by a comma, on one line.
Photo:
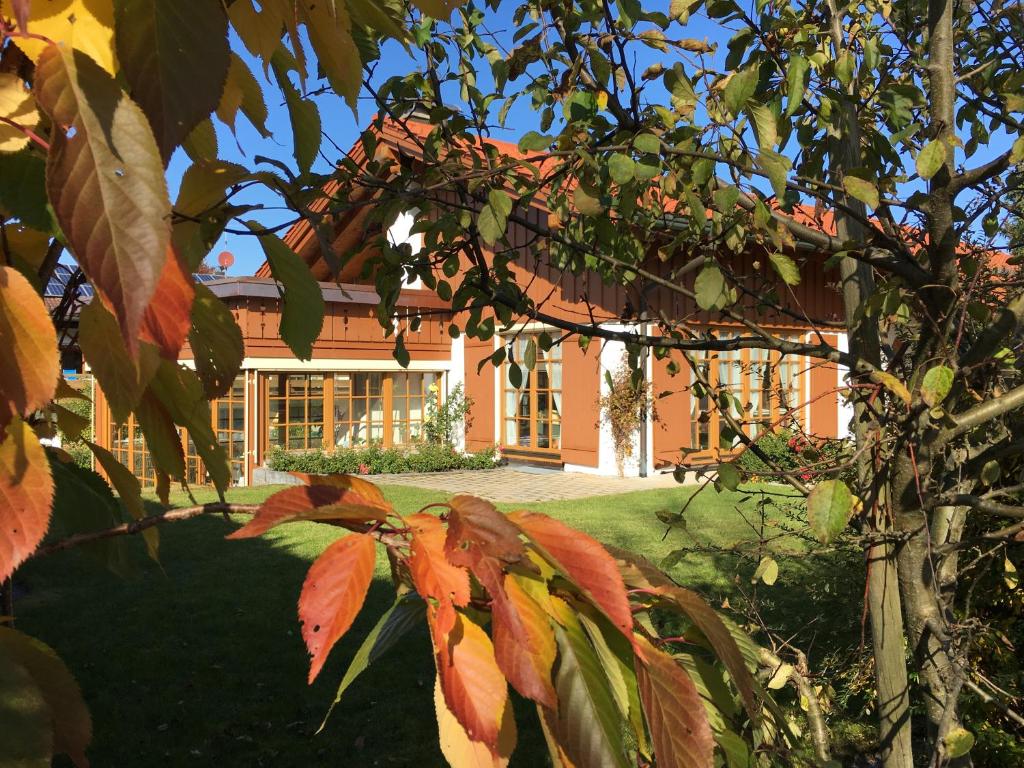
{"points": [[532, 412], [295, 408], [354, 408], [128, 447], [762, 390], [229, 424]]}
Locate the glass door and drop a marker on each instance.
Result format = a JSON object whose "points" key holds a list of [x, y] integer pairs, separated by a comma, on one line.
{"points": [[532, 412]]}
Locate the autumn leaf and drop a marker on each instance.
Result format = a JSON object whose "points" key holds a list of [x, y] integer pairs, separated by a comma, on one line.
{"points": [[167, 319], [364, 488], [474, 687], [477, 529], [524, 643], [17, 106], [314, 502], [216, 342], [106, 183], [333, 594], [86, 25], [675, 714], [26, 494], [330, 33], [460, 750], [29, 366], [432, 574], [584, 561], [129, 489]]}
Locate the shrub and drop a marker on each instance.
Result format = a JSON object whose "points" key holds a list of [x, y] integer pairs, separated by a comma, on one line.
{"points": [[443, 420], [375, 460], [78, 450], [623, 407], [794, 451]]}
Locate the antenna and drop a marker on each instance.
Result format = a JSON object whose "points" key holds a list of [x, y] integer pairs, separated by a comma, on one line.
{"points": [[225, 259]]}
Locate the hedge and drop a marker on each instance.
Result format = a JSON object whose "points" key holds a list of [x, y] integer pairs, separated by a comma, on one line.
{"points": [[376, 460]]}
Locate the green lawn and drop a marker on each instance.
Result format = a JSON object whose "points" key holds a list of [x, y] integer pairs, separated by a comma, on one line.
{"points": [[199, 661]]}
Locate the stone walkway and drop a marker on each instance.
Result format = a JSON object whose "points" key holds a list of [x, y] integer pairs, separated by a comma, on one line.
{"points": [[525, 484]]}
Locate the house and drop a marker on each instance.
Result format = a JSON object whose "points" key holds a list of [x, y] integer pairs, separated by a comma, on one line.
{"points": [[353, 392]]}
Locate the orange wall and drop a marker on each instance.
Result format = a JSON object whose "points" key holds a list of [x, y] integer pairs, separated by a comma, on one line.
{"points": [[672, 410], [581, 388], [824, 398], [480, 386]]}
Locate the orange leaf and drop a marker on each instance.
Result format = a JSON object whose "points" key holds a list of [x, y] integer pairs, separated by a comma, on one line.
{"points": [[311, 502], [29, 367], [333, 593], [364, 488], [477, 529], [432, 574], [168, 317], [524, 643], [675, 713], [704, 617], [461, 751], [473, 686], [587, 564], [26, 494]]}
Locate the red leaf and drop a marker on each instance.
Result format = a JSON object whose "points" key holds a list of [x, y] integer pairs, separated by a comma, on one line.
{"points": [[312, 502], [364, 488], [474, 688], [29, 367], [477, 529], [333, 593], [432, 575], [675, 713], [456, 746], [587, 564], [26, 494], [524, 643], [168, 317]]}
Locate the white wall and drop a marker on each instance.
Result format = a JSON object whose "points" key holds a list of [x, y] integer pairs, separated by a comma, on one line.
{"points": [[456, 376], [400, 233], [845, 406]]}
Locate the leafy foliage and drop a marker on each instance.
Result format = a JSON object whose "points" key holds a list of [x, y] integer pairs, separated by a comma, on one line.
{"points": [[375, 460]]}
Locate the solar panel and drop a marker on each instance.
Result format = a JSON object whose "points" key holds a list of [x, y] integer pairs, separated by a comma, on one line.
{"points": [[63, 273], [205, 277]]}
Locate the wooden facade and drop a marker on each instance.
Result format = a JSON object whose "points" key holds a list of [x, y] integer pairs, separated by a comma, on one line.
{"points": [[352, 392]]}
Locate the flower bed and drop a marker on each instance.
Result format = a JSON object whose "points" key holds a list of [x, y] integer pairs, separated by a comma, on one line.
{"points": [[374, 460]]}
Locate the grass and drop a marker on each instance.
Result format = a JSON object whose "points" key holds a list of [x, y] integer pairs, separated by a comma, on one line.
{"points": [[199, 661]]}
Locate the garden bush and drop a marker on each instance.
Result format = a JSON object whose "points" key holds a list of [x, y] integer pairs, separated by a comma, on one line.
{"points": [[794, 451], [376, 460]]}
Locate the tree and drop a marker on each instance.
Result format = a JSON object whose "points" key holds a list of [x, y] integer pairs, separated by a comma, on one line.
{"points": [[94, 100]]}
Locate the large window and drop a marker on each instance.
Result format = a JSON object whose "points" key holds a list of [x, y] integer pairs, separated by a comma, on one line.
{"points": [[295, 407], [353, 409], [762, 390], [229, 423], [129, 448], [532, 412]]}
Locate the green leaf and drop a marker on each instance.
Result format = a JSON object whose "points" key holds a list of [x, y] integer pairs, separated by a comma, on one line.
{"points": [[621, 168], [796, 83], [647, 142], [260, 32], [530, 354], [711, 289], [776, 167], [304, 117], [958, 742], [302, 315], [786, 267], [515, 375], [1017, 151], [586, 203], [174, 56], [845, 65], [493, 218], [862, 190], [404, 614], [740, 89], [129, 489], [679, 85], [728, 476], [936, 384], [931, 158], [990, 472], [829, 508], [765, 125], [242, 91], [767, 571], [587, 722], [216, 342], [42, 711], [23, 188], [83, 503], [534, 142], [106, 186], [201, 143]]}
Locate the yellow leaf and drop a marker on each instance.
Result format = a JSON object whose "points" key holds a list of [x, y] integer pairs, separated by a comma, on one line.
{"points": [[460, 750], [893, 384], [16, 104], [86, 25], [1010, 574], [27, 244], [330, 32], [780, 677]]}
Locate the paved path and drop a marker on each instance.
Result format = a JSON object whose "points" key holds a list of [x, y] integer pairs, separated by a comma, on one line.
{"points": [[525, 484]]}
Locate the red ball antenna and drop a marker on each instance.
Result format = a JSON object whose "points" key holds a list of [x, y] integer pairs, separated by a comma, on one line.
{"points": [[225, 259]]}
